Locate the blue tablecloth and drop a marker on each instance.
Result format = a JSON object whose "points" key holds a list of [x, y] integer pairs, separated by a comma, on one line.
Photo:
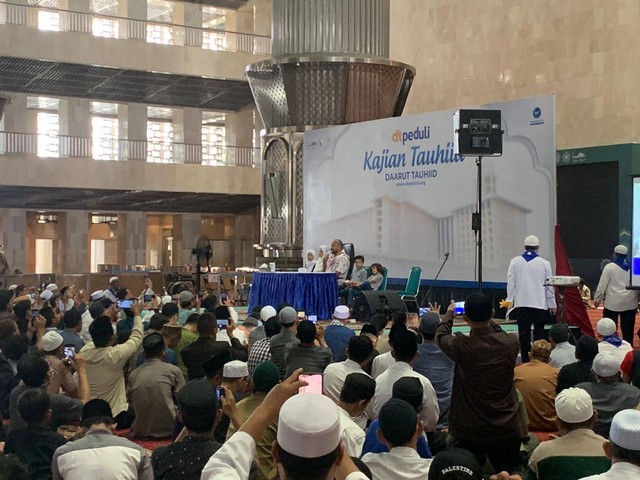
{"points": [[309, 292]]}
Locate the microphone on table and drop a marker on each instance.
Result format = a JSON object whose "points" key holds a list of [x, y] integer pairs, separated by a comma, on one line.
{"points": [[446, 257]]}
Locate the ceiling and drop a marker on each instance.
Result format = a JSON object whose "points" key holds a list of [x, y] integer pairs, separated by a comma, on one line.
{"points": [[56, 199], [124, 86], [234, 4]]}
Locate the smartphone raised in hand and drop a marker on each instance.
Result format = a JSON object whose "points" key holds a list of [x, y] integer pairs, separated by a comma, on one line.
{"points": [[315, 383]]}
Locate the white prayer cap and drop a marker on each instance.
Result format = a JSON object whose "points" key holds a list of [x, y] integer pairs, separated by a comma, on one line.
{"points": [[625, 430], [606, 365], [113, 279], [574, 405], [267, 312], [166, 299], [235, 369], [97, 295], [12, 287], [52, 287], [621, 250], [606, 327], [309, 426], [51, 340], [531, 241], [341, 312], [46, 295]]}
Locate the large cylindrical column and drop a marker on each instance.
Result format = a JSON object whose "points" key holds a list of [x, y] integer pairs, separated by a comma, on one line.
{"points": [[330, 26]]}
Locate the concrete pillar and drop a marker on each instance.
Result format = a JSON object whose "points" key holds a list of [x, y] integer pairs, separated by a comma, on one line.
{"points": [[77, 241], [132, 125], [135, 238], [239, 132], [76, 20], [13, 228], [75, 127], [190, 134], [190, 15], [262, 17], [191, 228], [16, 120], [133, 10]]}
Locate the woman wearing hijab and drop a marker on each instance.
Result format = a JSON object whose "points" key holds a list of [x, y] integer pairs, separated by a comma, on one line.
{"points": [[310, 262], [324, 250]]}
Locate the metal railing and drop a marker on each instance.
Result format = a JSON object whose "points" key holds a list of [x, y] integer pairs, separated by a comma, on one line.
{"points": [[53, 19], [119, 149]]}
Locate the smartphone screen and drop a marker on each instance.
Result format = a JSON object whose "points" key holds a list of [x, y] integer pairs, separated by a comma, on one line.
{"points": [[314, 381], [424, 310], [459, 308], [69, 352], [223, 297], [125, 304], [148, 298], [312, 317], [222, 323], [220, 393]]}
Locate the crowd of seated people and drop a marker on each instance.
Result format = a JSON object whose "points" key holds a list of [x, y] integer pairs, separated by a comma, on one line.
{"points": [[399, 397]]}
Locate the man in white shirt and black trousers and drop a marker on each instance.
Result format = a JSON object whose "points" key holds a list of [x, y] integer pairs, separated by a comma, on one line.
{"points": [[526, 293]]}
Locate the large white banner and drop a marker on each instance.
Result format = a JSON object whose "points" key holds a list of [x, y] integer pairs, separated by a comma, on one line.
{"points": [[395, 189]]}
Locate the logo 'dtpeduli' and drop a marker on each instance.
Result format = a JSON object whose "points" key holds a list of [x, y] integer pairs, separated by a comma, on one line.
{"points": [[537, 113], [420, 133]]}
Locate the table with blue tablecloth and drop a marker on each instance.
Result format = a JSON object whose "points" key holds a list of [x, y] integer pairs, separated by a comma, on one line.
{"points": [[309, 292]]}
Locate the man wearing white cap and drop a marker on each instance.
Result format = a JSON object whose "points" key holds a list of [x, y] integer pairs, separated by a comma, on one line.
{"points": [[308, 438], [53, 349], [52, 287], [578, 451], [623, 448], [609, 394], [337, 334], [611, 342], [612, 289], [112, 292], [526, 293]]}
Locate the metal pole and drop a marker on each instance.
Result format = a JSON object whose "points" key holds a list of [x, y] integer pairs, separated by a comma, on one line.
{"points": [[479, 243]]}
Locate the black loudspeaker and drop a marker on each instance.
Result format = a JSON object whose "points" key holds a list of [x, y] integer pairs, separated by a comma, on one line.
{"points": [[370, 303]]}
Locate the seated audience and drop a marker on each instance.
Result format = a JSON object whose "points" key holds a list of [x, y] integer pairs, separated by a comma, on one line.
{"points": [[536, 381], [405, 352], [186, 302], [359, 352], [385, 360], [308, 438], [72, 321], [577, 452], [156, 324], [106, 362], [399, 431], [380, 321], [563, 352], [151, 390], [100, 453], [585, 293], [260, 350], [188, 332], [580, 371], [306, 354], [359, 272], [455, 464], [630, 367], [410, 390], [12, 468], [33, 370], [265, 377], [53, 350], [357, 392], [288, 318], [484, 403], [370, 332], [236, 380], [623, 448], [248, 327], [372, 282], [434, 364], [6, 298], [337, 334], [99, 307], [198, 410], [609, 394], [205, 347], [610, 341], [35, 444]]}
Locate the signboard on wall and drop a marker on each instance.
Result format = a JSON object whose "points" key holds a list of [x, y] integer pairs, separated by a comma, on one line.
{"points": [[396, 190]]}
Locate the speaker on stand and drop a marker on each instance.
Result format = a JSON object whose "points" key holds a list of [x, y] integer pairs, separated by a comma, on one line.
{"points": [[370, 303]]}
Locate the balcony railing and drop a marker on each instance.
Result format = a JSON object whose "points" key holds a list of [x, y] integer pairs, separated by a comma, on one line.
{"points": [[53, 19], [118, 149]]}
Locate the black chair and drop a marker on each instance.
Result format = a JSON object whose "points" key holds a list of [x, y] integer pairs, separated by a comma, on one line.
{"points": [[350, 250]]}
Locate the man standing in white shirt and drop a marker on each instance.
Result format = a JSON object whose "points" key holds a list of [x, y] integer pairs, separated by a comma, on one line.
{"points": [[405, 352], [356, 394], [526, 293], [308, 437], [399, 430], [623, 448], [359, 350], [563, 352], [618, 300]]}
